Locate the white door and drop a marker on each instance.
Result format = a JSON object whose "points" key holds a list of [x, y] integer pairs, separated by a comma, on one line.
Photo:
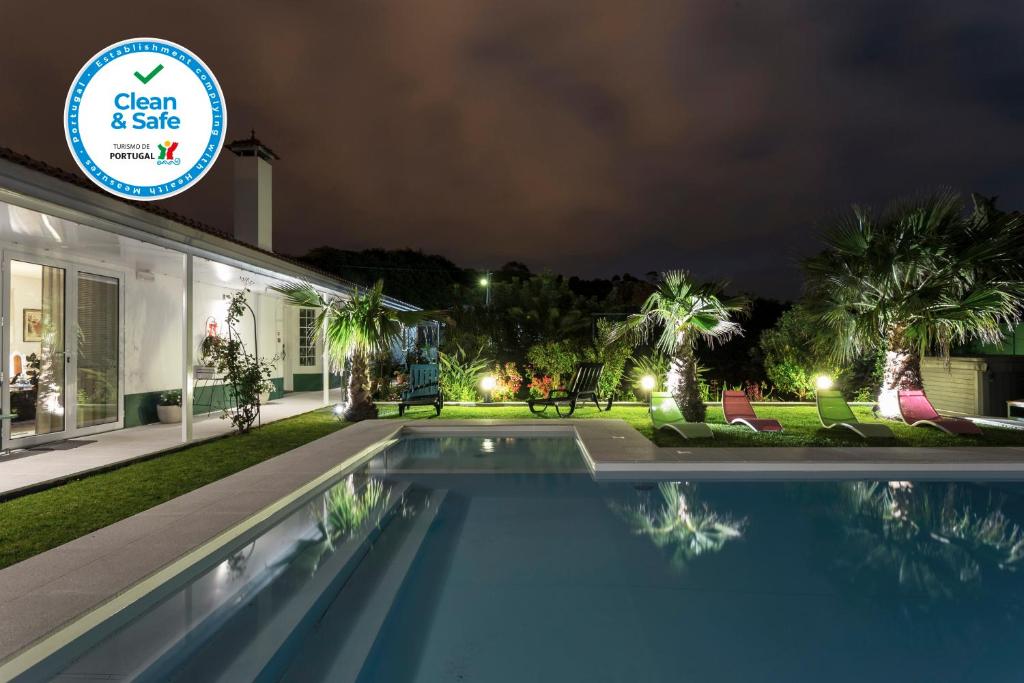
{"points": [[62, 350]]}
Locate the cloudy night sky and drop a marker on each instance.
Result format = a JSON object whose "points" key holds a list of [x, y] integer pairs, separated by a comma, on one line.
{"points": [[585, 136]]}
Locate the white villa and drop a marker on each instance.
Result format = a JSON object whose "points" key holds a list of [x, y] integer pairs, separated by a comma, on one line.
{"points": [[106, 302]]}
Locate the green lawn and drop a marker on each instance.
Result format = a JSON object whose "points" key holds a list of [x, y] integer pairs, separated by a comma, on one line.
{"points": [[40, 521], [801, 425]]}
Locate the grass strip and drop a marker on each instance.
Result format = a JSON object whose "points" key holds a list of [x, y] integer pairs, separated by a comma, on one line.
{"points": [[39, 521]]}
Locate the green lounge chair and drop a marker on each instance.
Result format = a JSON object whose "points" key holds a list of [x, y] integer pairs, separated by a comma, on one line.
{"points": [[833, 411], [665, 415], [423, 390]]}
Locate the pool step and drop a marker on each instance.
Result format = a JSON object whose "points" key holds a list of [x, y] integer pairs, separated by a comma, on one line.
{"points": [[339, 645], [262, 649]]}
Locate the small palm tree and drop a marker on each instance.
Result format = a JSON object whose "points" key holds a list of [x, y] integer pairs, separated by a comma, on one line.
{"points": [[681, 313], [921, 275], [355, 328]]}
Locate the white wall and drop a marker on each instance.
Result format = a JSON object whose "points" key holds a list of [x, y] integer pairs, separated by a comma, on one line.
{"points": [[152, 332], [269, 310]]}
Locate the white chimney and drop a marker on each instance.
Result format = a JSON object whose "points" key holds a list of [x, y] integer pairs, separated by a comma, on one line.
{"points": [[253, 192]]}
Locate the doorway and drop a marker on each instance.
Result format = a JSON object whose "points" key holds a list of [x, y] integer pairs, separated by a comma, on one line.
{"points": [[62, 350]]}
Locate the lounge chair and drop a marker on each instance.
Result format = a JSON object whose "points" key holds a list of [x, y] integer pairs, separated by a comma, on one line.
{"points": [[833, 411], [423, 388], [582, 388], [665, 415], [737, 410], [917, 410]]}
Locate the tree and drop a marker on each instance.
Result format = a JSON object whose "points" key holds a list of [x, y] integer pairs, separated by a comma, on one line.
{"points": [[792, 359], [922, 275], [358, 327], [680, 313]]}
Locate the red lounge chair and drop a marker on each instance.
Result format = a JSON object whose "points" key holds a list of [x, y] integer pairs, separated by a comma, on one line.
{"points": [[738, 410], [917, 410]]}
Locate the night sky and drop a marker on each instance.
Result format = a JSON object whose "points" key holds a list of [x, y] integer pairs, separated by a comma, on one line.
{"points": [[592, 137]]}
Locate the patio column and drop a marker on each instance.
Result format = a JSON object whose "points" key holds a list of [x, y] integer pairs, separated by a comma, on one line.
{"points": [[187, 352], [325, 362]]}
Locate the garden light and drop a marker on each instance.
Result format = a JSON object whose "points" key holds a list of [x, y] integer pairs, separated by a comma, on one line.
{"points": [[339, 411], [823, 382], [483, 282], [488, 383], [647, 382]]}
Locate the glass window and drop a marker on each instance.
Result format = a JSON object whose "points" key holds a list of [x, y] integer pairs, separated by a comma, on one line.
{"points": [[307, 334]]}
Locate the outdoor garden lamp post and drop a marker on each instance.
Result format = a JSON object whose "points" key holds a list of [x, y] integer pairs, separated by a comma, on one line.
{"points": [[648, 383], [485, 282], [487, 384]]}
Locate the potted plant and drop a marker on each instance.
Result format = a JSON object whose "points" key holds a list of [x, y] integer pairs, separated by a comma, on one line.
{"points": [[209, 350], [168, 407], [265, 393]]}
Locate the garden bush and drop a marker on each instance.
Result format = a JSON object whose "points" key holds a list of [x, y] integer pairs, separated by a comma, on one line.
{"points": [[460, 374]]}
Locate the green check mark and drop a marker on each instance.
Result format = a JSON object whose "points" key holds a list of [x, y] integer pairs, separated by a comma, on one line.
{"points": [[148, 77]]}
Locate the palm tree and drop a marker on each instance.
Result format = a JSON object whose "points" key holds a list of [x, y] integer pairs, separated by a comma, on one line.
{"points": [[681, 313], [355, 328], [921, 275]]}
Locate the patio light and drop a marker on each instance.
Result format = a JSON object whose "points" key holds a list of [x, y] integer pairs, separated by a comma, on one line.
{"points": [[823, 382]]}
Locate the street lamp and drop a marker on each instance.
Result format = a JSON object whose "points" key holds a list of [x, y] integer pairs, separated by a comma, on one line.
{"points": [[485, 282]]}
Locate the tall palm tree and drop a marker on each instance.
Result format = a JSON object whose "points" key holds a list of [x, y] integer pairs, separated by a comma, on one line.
{"points": [[922, 275], [355, 328], [681, 313]]}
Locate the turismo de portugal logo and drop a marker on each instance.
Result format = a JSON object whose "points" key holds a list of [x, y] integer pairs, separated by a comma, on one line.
{"points": [[145, 119]]}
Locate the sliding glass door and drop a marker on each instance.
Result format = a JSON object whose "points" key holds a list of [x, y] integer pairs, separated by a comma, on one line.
{"points": [[97, 366], [62, 350], [36, 377]]}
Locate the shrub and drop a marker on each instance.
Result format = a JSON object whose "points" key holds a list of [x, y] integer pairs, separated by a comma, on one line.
{"points": [[541, 386], [792, 358], [614, 353], [555, 358], [507, 382], [460, 375]]}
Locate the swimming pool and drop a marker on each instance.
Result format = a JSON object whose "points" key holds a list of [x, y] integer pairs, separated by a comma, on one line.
{"points": [[499, 558]]}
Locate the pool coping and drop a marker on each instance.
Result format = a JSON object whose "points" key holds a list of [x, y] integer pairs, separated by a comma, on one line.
{"points": [[52, 598]]}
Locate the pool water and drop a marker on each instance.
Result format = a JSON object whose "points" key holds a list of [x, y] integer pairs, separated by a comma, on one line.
{"points": [[506, 561]]}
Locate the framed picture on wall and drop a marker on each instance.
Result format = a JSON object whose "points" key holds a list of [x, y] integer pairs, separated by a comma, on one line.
{"points": [[32, 319]]}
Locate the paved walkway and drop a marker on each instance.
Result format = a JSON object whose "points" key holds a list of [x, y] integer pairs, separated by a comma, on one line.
{"points": [[39, 465]]}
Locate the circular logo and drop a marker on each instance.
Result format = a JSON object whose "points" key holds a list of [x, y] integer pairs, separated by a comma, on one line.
{"points": [[145, 119]]}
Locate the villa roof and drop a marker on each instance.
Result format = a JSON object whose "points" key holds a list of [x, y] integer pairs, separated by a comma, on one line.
{"points": [[26, 161]]}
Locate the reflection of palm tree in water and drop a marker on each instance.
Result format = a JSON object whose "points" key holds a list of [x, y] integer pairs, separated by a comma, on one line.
{"points": [[688, 529], [927, 537]]}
